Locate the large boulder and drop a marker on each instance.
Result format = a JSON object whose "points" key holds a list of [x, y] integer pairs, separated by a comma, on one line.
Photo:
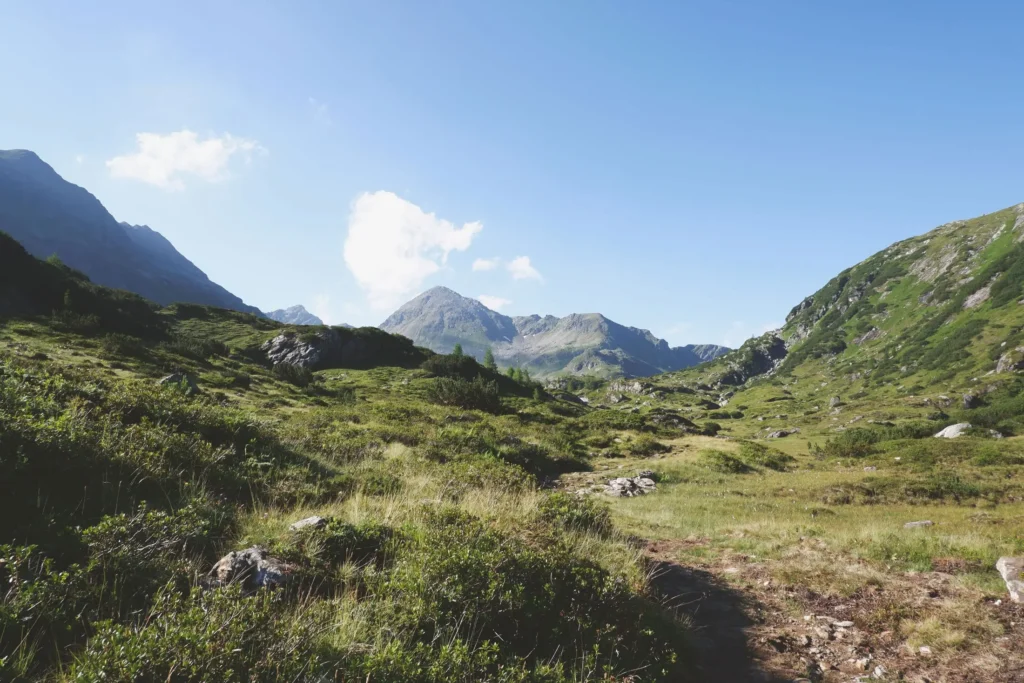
{"points": [[1011, 361], [253, 567], [953, 431], [1012, 571]]}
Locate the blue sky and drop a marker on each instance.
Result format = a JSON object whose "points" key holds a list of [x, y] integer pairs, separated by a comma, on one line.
{"points": [[695, 168]]}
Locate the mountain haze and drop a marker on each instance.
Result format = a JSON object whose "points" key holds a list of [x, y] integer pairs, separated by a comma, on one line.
{"points": [[587, 343], [49, 215]]}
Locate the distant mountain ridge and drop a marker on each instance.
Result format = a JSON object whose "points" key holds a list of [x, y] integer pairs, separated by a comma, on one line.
{"points": [[295, 315], [49, 215], [579, 344]]}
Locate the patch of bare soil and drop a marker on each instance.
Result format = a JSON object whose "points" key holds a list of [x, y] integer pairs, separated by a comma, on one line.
{"points": [[749, 627]]}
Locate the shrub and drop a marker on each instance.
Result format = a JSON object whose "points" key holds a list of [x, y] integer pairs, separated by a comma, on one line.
{"points": [[720, 461], [453, 366], [711, 428], [121, 345], [197, 348], [764, 456], [461, 580], [646, 445], [576, 513], [478, 394], [204, 636], [293, 374]]}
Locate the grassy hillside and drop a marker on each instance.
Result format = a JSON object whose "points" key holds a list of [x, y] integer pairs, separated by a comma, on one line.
{"points": [[440, 558]]}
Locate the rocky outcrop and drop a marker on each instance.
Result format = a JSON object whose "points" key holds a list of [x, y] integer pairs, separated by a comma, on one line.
{"points": [[1012, 571], [336, 347], [253, 568], [953, 431], [629, 487], [295, 315], [1011, 361], [757, 357]]}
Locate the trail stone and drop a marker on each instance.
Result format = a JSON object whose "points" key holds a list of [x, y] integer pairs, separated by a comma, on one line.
{"points": [[953, 431], [629, 487], [253, 567], [918, 525], [1012, 571], [314, 521]]}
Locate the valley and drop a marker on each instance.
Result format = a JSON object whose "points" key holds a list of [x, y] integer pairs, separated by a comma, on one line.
{"points": [[790, 515]]}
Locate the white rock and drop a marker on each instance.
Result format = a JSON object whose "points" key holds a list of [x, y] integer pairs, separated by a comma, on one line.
{"points": [[314, 521], [953, 431], [1012, 571], [918, 525]]}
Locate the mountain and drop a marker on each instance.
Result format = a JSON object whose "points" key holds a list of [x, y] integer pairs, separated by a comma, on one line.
{"points": [[295, 315], [49, 215], [580, 344], [897, 335]]}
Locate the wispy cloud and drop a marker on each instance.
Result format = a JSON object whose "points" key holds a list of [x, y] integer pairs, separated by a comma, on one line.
{"points": [[79, 159], [521, 269], [162, 160], [393, 246], [483, 264], [495, 303]]}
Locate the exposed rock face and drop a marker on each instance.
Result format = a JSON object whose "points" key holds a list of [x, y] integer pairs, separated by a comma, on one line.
{"points": [[870, 335], [1011, 361], [756, 357], [1012, 571], [979, 297], [628, 487], [253, 567], [579, 343], [296, 315], [970, 401], [953, 431], [341, 348]]}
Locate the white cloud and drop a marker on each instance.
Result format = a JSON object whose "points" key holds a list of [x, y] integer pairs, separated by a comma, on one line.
{"points": [[162, 159], [495, 303], [393, 246], [321, 113], [521, 269], [79, 159], [486, 264]]}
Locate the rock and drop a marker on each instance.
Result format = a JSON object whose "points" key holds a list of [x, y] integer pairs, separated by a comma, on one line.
{"points": [[314, 521], [870, 469], [616, 398], [994, 434], [782, 433], [918, 525], [645, 474], [331, 347], [182, 380], [1012, 571], [925, 651], [835, 402], [953, 431], [978, 297], [843, 624], [970, 401], [628, 487], [1011, 361], [879, 672], [253, 567]]}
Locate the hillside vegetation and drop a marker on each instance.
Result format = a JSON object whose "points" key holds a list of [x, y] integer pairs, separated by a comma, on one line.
{"points": [[437, 555]]}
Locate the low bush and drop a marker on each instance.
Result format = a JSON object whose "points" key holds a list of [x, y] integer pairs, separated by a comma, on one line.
{"points": [[576, 513], [759, 455], [293, 374], [720, 461], [645, 446], [478, 394]]}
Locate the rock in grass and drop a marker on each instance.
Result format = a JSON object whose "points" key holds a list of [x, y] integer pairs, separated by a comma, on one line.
{"points": [[918, 525], [181, 379], [253, 568], [314, 521], [628, 487], [953, 431], [1012, 571], [782, 433]]}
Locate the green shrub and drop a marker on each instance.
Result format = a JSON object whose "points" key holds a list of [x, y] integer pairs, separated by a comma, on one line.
{"points": [[121, 345], [711, 428], [720, 461], [205, 636], [452, 366], [293, 374], [576, 513], [478, 394], [764, 456], [646, 446], [461, 580]]}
